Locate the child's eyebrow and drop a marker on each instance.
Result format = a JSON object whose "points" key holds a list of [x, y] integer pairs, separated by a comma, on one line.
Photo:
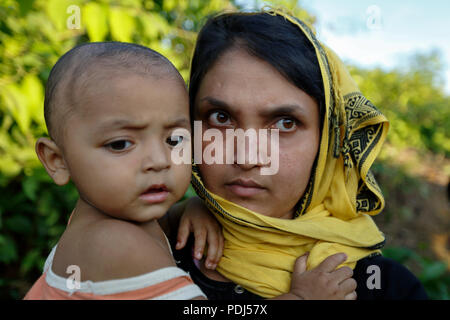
{"points": [[179, 122], [136, 125], [121, 124]]}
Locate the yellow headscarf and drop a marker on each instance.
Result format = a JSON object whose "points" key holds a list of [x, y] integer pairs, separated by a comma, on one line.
{"points": [[334, 213]]}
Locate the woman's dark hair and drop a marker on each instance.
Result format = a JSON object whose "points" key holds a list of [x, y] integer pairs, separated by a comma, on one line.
{"points": [[270, 38]]}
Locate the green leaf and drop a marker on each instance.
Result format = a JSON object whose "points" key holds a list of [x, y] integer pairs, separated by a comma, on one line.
{"points": [[19, 224], [154, 25], [30, 186], [25, 6], [190, 192], [31, 259], [52, 218], [433, 270], [122, 24], [57, 12], [16, 102], [8, 250], [33, 90], [8, 166], [95, 17], [398, 254], [169, 5]]}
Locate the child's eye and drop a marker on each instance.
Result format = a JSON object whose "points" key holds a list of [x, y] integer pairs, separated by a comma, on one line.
{"points": [[119, 145], [174, 140], [286, 125], [219, 118]]}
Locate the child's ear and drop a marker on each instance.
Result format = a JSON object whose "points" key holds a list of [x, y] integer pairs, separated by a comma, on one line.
{"points": [[51, 157]]}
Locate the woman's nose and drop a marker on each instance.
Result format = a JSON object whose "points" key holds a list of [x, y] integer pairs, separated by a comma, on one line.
{"points": [[246, 152]]}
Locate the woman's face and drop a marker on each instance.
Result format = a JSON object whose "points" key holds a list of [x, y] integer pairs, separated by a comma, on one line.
{"points": [[242, 91]]}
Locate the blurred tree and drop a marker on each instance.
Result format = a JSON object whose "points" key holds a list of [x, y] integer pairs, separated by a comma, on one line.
{"points": [[414, 100]]}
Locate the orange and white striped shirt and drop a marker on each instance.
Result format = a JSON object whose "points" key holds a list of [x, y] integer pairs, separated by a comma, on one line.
{"points": [[170, 283]]}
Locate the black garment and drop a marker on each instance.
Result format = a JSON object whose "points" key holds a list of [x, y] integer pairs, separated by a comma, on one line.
{"points": [[395, 281]]}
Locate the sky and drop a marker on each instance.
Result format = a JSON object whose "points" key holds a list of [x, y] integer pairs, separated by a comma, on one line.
{"points": [[382, 33]]}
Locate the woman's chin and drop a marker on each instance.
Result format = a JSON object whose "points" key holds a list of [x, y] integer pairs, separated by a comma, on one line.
{"points": [[254, 203]]}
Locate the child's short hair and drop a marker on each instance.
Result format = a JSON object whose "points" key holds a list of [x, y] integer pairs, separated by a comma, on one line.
{"points": [[77, 69]]}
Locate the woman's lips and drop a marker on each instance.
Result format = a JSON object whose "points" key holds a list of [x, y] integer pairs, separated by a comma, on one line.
{"points": [[155, 194], [245, 188]]}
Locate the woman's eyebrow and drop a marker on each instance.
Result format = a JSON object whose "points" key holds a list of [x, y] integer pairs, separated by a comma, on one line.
{"points": [[285, 109], [217, 103]]}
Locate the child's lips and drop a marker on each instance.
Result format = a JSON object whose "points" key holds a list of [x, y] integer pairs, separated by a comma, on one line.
{"points": [[155, 194]]}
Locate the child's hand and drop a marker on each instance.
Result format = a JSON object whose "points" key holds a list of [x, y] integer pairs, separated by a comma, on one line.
{"points": [[323, 282], [196, 218]]}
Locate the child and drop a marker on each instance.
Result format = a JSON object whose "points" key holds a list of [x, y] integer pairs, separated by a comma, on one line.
{"points": [[111, 109]]}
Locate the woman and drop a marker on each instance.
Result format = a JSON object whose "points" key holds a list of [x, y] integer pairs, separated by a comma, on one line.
{"points": [[268, 71]]}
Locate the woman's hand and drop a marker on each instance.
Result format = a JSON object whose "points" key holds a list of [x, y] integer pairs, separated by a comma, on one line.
{"points": [[323, 282], [197, 219]]}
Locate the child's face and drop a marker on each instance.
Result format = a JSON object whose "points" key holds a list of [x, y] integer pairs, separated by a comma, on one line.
{"points": [[117, 146]]}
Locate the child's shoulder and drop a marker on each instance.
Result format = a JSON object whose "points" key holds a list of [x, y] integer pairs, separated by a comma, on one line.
{"points": [[111, 249]]}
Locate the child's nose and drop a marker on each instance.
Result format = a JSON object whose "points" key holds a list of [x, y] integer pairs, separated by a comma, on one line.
{"points": [[156, 157]]}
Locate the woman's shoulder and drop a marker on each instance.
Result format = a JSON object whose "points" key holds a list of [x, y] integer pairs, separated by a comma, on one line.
{"points": [[379, 277], [110, 249]]}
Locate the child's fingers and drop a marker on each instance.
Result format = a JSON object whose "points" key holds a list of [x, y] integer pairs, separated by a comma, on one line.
{"points": [[219, 246], [342, 274], [331, 262], [210, 262], [351, 296], [348, 286], [183, 234], [199, 245], [215, 248], [220, 249], [213, 245], [300, 263]]}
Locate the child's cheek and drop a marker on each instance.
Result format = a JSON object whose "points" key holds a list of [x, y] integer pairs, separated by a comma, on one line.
{"points": [[181, 178]]}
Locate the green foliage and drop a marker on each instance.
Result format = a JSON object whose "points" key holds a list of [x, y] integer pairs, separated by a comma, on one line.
{"points": [[433, 274], [413, 99], [33, 214], [407, 199]]}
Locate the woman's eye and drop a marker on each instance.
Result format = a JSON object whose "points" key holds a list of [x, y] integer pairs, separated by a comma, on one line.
{"points": [[219, 118], [286, 125], [174, 140], [119, 145]]}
